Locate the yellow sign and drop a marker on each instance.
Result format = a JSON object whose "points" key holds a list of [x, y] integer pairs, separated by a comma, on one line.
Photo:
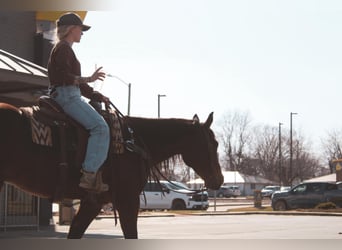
{"points": [[338, 167], [54, 15]]}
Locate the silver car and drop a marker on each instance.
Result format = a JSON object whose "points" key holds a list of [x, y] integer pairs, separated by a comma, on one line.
{"points": [[269, 190]]}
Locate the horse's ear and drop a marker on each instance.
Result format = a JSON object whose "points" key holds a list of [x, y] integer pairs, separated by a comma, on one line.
{"points": [[209, 120], [195, 119]]}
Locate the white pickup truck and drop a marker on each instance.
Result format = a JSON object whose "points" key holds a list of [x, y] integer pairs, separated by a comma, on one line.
{"points": [[172, 196]]}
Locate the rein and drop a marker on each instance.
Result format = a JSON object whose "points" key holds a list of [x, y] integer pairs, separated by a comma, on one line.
{"points": [[192, 191], [177, 191]]}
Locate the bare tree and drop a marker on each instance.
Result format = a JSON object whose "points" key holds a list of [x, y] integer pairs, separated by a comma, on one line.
{"points": [[254, 150], [332, 147], [306, 165], [266, 150], [235, 138]]}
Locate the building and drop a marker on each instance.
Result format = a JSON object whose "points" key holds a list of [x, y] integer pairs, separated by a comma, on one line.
{"points": [[324, 178], [247, 184], [25, 47]]}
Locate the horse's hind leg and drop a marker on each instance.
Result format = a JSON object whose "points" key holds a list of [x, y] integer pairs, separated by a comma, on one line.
{"points": [[88, 210]]}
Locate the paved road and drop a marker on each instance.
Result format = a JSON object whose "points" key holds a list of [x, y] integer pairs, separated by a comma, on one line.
{"points": [[238, 227], [242, 227], [213, 224], [207, 227]]}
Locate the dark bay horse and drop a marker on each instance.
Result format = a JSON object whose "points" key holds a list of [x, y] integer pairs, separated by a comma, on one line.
{"points": [[33, 168]]}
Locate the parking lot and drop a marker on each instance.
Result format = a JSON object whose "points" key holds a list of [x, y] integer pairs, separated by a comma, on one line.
{"points": [[248, 226], [210, 224]]}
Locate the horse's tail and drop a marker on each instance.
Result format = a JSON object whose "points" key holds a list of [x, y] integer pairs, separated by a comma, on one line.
{"points": [[14, 128], [6, 107]]}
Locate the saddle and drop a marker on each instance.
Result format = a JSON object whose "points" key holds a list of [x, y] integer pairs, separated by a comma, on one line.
{"points": [[69, 137]]}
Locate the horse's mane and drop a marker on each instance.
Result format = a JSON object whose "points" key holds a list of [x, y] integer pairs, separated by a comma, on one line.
{"points": [[154, 130], [148, 127]]}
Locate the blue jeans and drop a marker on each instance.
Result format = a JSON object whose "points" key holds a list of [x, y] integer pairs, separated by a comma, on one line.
{"points": [[69, 98]]}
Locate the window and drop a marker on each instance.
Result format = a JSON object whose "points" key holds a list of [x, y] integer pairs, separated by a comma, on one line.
{"points": [[316, 188], [331, 187], [152, 187], [300, 189]]}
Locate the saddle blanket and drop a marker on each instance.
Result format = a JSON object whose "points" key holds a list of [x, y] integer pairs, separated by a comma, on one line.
{"points": [[116, 132], [42, 133]]}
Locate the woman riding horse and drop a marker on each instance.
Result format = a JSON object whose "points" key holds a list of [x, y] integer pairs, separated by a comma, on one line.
{"points": [[67, 88]]}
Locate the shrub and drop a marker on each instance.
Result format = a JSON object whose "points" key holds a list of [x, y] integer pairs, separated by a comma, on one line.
{"points": [[326, 205]]}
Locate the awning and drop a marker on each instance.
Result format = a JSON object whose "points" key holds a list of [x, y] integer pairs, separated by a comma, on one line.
{"points": [[54, 15], [21, 82]]}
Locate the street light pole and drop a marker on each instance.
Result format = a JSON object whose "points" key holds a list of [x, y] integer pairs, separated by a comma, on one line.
{"points": [[129, 99], [280, 169], [159, 104], [129, 92], [291, 153]]}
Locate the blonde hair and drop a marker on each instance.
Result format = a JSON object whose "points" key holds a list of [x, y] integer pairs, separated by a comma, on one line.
{"points": [[62, 32]]}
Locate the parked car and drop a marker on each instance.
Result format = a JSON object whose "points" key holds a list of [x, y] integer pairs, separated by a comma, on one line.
{"points": [[285, 188], [269, 190], [225, 191], [198, 195], [234, 191], [172, 196], [307, 195]]}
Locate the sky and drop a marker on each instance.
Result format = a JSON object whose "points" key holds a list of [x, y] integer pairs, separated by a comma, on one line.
{"points": [[267, 57]]}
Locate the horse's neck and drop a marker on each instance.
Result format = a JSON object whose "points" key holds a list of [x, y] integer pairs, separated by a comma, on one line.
{"points": [[163, 137]]}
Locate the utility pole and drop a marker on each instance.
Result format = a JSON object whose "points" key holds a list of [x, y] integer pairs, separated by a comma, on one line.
{"points": [[159, 104], [280, 167], [291, 153]]}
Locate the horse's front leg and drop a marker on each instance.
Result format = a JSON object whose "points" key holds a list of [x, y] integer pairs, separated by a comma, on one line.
{"points": [[88, 210], [128, 209]]}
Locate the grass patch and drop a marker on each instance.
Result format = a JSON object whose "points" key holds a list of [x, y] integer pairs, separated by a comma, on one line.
{"points": [[251, 209], [336, 210], [269, 208]]}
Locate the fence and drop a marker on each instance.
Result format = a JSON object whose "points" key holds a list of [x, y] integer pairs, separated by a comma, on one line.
{"points": [[18, 209]]}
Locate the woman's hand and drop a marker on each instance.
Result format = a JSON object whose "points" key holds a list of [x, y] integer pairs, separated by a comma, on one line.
{"points": [[98, 75], [98, 97], [105, 100]]}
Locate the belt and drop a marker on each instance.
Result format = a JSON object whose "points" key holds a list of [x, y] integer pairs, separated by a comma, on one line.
{"points": [[53, 88]]}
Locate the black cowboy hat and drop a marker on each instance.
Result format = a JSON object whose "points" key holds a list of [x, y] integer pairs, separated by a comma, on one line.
{"points": [[71, 18]]}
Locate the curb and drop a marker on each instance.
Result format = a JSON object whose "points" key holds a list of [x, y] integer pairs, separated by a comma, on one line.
{"points": [[174, 214], [296, 213]]}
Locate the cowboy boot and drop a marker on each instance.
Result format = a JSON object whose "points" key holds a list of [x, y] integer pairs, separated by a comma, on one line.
{"points": [[92, 182], [87, 180], [99, 185]]}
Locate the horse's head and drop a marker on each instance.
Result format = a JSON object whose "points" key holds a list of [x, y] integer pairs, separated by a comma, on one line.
{"points": [[201, 153]]}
